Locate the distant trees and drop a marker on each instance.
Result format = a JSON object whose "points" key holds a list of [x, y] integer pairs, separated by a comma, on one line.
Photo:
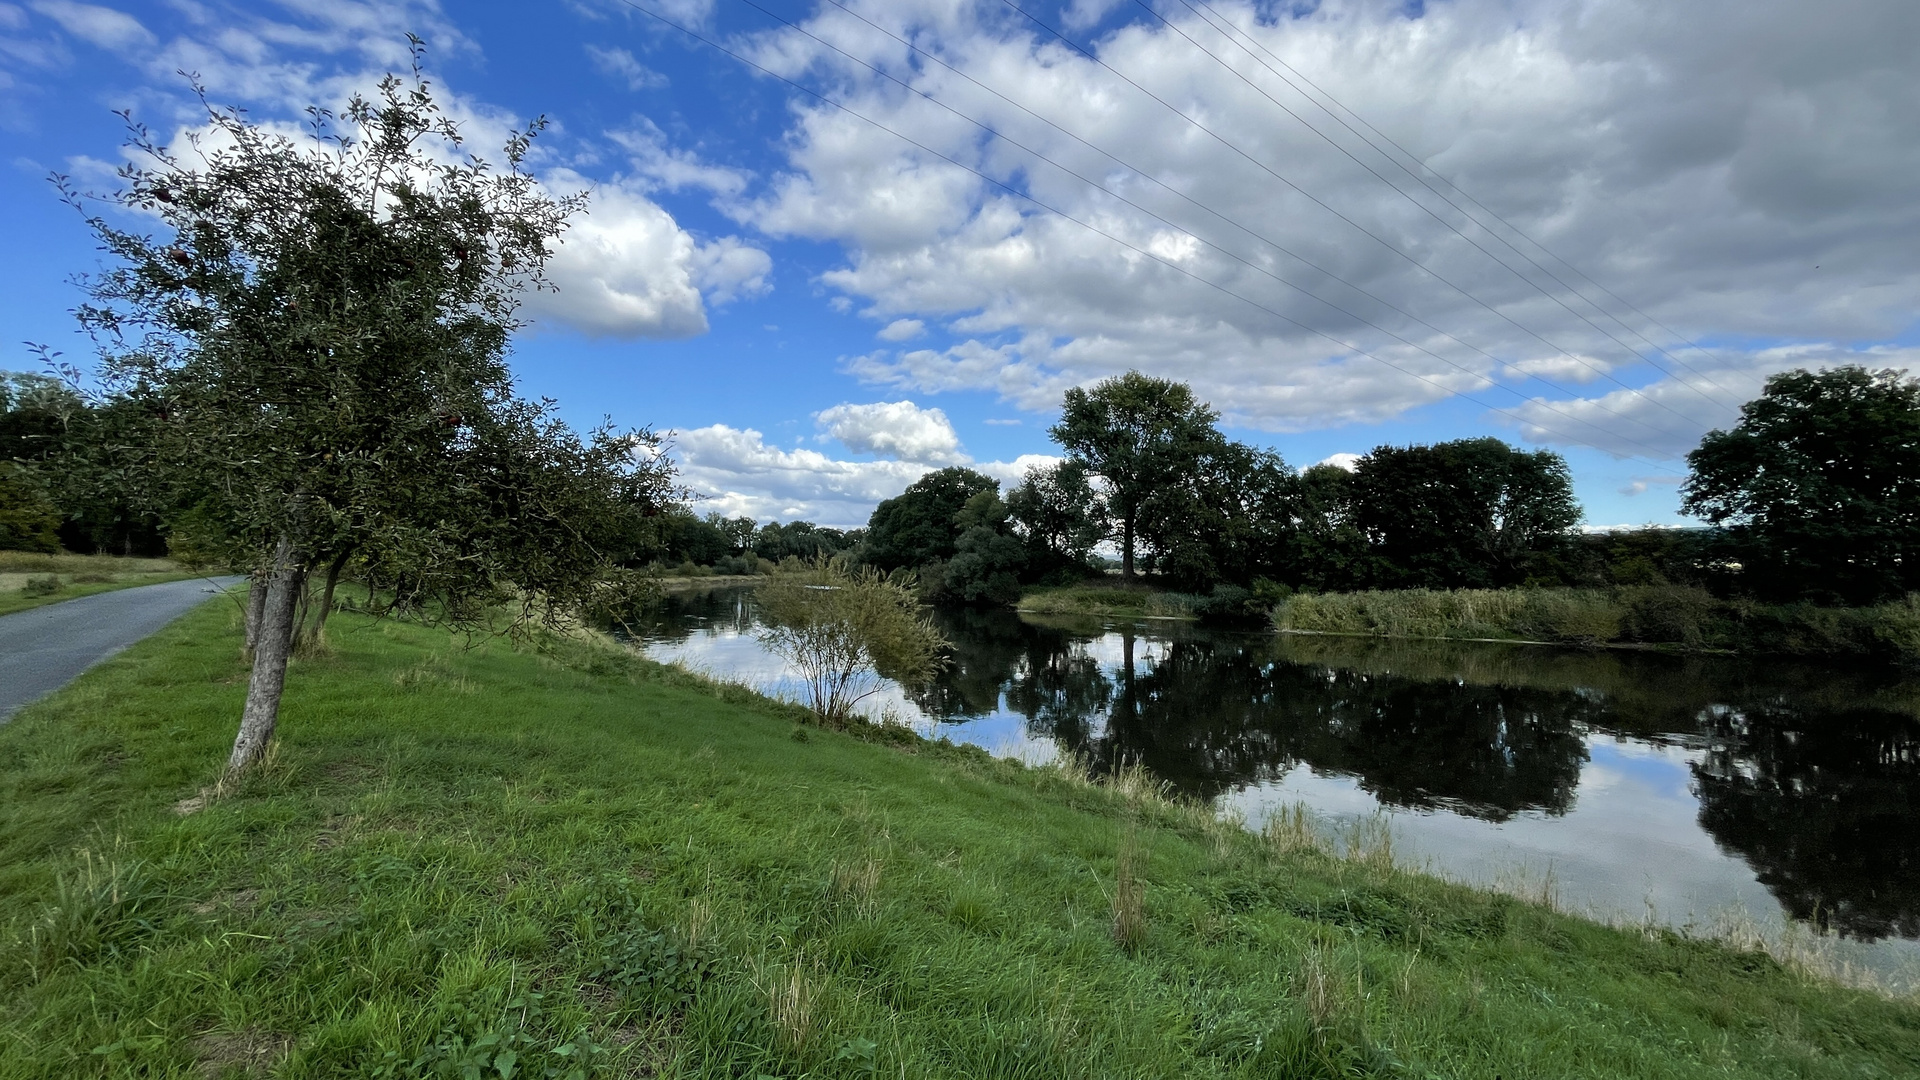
{"points": [[1819, 485]]}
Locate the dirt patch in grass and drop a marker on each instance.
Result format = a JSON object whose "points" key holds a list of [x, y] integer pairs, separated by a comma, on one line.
{"points": [[240, 1053]]}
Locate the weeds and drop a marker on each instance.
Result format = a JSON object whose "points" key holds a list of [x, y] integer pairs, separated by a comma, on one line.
{"points": [[1129, 894]]}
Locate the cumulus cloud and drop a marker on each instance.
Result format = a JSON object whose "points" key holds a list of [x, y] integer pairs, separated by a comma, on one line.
{"points": [[1345, 461], [626, 269], [898, 429], [740, 473], [902, 330], [1697, 159]]}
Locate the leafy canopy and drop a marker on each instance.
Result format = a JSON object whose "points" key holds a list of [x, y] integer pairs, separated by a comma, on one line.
{"points": [[1820, 484]]}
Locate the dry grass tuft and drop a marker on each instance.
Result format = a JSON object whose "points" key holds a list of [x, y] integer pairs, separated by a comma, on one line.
{"points": [[1130, 894]]}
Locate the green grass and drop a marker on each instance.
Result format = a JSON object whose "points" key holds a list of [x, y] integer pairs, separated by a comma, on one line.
{"points": [[494, 862], [30, 579], [1114, 600]]}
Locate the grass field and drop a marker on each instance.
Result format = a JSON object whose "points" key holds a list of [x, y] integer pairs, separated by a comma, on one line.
{"points": [[29, 579], [569, 862], [1108, 599]]}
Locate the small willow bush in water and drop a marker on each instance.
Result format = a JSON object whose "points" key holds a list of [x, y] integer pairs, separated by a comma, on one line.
{"points": [[846, 630], [1642, 614]]}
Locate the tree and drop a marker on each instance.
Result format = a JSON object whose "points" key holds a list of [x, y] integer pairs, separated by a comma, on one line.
{"points": [[1820, 484], [315, 345], [1231, 522], [1060, 517], [987, 558], [1464, 514], [917, 526], [28, 519], [1139, 434], [845, 630]]}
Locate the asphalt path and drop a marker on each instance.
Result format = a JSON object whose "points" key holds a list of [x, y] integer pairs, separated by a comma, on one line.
{"points": [[43, 649]]}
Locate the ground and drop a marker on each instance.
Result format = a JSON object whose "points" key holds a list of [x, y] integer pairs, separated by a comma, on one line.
{"points": [[505, 860]]}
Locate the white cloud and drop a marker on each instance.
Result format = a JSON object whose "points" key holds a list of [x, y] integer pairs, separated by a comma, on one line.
{"points": [[676, 169], [898, 429], [1345, 461], [1699, 159], [626, 269], [102, 26], [739, 473], [621, 64], [902, 330]]}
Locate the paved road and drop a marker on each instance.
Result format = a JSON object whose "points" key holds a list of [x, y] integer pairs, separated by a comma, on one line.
{"points": [[44, 648]]}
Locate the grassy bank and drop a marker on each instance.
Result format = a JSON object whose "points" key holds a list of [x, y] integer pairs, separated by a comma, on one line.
{"points": [[572, 862], [29, 579], [1109, 599], [1638, 615]]}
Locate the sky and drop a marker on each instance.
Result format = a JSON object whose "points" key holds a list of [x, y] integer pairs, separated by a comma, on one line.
{"points": [[831, 246]]}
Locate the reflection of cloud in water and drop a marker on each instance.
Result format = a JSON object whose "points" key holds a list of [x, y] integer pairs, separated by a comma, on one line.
{"points": [[736, 657]]}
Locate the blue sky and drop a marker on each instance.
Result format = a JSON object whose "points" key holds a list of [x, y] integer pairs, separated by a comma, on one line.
{"points": [[821, 309]]}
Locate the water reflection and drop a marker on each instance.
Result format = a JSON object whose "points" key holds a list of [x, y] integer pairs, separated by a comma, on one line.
{"points": [[1795, 778]]}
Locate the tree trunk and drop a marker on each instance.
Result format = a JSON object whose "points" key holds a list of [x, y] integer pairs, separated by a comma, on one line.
{"points": [[1126, 548], [256, 605], [272, 644], [326, 596]]}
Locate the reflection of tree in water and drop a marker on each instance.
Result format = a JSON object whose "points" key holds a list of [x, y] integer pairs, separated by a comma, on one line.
{"points": [[1825, 806], [678, 616], [1212, 714], [990, 645]]}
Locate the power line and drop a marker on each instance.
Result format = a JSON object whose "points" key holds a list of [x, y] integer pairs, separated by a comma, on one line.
{"points": [[1415, 175], [1143, 252], [1363, 230], [1097, 185]]}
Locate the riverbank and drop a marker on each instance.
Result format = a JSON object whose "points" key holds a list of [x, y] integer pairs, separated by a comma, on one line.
{"points": [[30, 580], [571, 858], [1109, 599], [1669, 617]]}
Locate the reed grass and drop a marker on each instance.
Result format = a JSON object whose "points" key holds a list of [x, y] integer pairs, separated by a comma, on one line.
{"points": [[1670, 616]]}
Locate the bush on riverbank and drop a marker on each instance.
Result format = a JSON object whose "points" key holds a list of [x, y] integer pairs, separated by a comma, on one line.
{"points": [[518, 861], [1670, 615]]}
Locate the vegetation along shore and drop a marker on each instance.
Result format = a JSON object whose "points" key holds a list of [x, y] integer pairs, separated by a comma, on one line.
{"points": [[559, 859]]}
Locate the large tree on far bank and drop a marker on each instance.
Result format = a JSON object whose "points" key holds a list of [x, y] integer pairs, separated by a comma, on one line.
{"points": [[1819, 483], [1464, 514], [315, 341], [1141, 435]]}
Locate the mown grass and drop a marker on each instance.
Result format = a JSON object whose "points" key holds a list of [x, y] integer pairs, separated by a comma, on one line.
{"points": [[567, 861], [30, 579], [1118, 601], [1672, 616]]}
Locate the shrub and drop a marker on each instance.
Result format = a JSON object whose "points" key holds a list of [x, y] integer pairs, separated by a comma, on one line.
{"points": [[843, 630], [45, 585]]}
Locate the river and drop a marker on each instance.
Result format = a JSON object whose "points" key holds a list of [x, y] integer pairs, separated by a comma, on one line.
{"points": [[1689, 791]]}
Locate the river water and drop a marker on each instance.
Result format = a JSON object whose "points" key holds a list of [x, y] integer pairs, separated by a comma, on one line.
{"points": [[1692, 791]]}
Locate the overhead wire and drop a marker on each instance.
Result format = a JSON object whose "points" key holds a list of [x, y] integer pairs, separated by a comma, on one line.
{"points": [[1317, 201], [1236, 38], [1143, 174], [1120, 241]]}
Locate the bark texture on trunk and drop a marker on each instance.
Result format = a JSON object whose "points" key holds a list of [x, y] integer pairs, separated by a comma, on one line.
{"points": [[1126, 549], [256, 604], [273, 643], [325, 607]]}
